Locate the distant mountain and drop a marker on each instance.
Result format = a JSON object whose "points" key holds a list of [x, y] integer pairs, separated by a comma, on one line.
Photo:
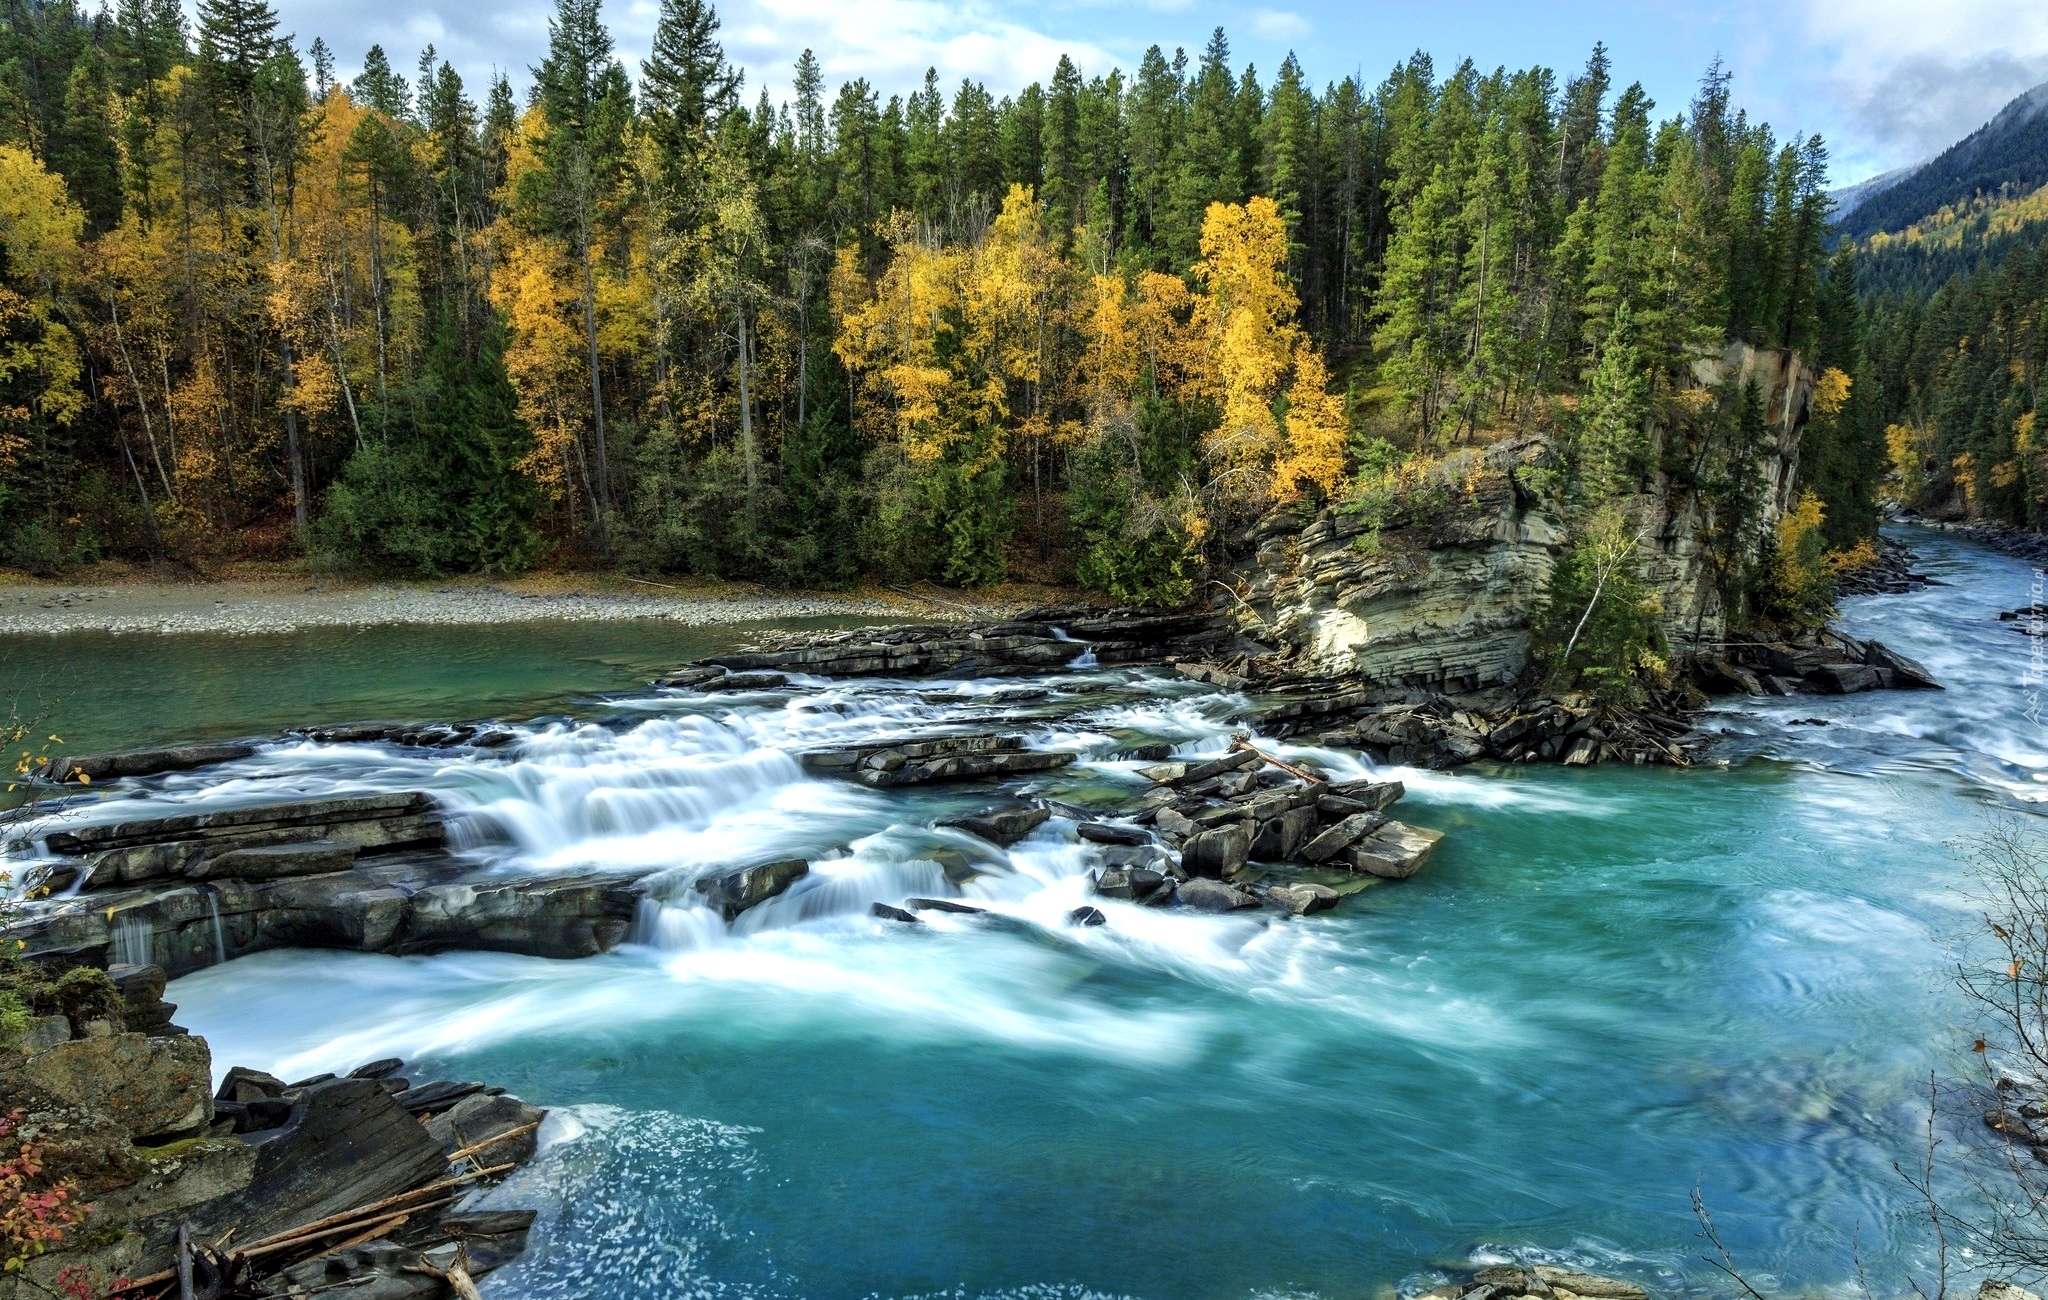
{"points": [[1851, 197], [2007, 155]]}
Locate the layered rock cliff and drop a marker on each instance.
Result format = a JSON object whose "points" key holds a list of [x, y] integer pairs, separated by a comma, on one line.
{"points": [[1435, 587]]}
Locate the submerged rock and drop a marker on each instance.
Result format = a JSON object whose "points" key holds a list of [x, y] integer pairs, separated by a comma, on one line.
{"points": [[1001, 826], [885, 912], [737, 891]]}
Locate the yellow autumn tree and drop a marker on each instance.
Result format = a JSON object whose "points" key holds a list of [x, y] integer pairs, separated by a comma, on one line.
{"points": [[1317, 431], [1245, 317], [40, 365], [536, 285]]}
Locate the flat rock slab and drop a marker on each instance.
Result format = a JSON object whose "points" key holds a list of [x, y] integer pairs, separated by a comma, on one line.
{"points": [[87, 768], [229, 822], [404, 906], [1395, 851], [925, 760]]}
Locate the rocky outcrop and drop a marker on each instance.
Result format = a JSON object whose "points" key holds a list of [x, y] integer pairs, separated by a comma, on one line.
{"points": [[416, 904], [285, 1172], [1435, 587], [923, 760], [1826, 663], [196, 846], [189, 891], [1434, 590]]}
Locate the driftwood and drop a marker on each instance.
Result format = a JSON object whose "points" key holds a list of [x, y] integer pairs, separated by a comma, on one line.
{"points": [[490, 1142], [1244, 744], [363, 1223], [456, 1275]]}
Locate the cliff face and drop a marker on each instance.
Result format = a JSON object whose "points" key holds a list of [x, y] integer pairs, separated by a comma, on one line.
{"points": [[1435, 588]]}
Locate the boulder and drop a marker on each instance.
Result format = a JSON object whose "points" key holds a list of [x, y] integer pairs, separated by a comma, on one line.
{"points": [[1333, 840], [1279, 838], [1304, 896], [1375, 795], [1086, 916], [481, 1118], [1844, 679], [737, 891], [1213, 854], [1214, 896], [1112, 833], [380, 1069], [1003, 826], [143, 1009], [1395, 851], [1907, 674], [1115, 883], [885, 912], [242, 1084], [1148, 886], [155, 1088]]}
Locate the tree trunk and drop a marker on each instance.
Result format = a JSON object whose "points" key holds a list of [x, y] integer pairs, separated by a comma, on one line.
{"points": [[604, 480], [748, 449]]}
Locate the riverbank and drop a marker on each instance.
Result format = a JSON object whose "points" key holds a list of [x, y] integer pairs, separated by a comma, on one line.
{"points": [[282, 601]]}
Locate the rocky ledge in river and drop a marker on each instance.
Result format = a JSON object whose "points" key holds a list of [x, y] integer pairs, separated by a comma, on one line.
{"points": [[361, 872], [1036, 641], [259, 1188], [1222, 834]]}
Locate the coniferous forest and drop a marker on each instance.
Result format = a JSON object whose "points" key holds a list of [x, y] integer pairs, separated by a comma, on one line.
{"points": [[415, 324]]}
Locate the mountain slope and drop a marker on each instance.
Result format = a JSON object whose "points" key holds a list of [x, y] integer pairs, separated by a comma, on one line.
{"points": [[2008, 154]]}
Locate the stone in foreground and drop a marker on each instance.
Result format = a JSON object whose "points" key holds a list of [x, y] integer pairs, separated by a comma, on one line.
{"points": [[1395, 851]]}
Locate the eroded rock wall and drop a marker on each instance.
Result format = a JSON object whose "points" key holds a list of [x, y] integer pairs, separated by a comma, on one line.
{"points": [[1436, 589]]}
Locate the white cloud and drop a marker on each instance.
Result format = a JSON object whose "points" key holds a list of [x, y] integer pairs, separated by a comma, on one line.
{"points": [[1279, 24], [1908, 78], [890, 42]]}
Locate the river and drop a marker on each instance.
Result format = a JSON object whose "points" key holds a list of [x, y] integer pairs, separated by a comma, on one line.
{"points": [[1608, 985]]}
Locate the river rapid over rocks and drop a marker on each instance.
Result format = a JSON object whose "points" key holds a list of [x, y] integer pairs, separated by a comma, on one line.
{"points": [[1609, 983]]}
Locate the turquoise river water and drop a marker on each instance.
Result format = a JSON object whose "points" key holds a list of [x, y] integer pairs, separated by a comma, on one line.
{"points": [[1608, 985]]}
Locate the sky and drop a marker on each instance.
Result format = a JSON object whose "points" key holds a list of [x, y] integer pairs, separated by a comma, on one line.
{"points": [[1886, 82]]}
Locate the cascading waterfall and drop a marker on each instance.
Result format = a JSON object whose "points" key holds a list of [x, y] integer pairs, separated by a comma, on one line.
{"points": [[134, 941], [220, 940]]}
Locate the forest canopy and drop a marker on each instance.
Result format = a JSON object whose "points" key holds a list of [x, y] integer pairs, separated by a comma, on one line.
{"points": [[1075, 332]]}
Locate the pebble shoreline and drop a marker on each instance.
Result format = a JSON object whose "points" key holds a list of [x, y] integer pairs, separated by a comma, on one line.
{"points": [[251, 609]]}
